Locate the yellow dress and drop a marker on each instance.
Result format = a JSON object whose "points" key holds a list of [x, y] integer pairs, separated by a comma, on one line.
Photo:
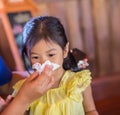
{"points": [[67, 99]]}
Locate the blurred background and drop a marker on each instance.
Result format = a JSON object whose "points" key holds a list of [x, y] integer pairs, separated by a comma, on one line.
{"points": [[92, 26]]}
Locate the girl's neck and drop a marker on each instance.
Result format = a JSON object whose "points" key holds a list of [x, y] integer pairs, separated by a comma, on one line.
{"points": [[58, 78]]}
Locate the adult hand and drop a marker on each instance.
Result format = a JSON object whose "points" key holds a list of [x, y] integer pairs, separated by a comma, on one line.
{"points": [[36, 85], [4, 103]]}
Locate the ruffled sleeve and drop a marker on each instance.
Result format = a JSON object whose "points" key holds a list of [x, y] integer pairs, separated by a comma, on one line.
{"points": [[17, 86], [77, 84]]}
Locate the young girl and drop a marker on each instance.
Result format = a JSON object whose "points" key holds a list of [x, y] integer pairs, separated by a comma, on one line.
{"points": [[8, 78], [44, 39]]}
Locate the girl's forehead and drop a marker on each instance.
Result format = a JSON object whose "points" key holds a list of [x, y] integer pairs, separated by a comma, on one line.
{"points": [[43, 42], [42, 45]]}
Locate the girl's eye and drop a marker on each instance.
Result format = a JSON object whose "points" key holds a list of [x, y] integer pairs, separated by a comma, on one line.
{"points": [[51, 55], [34, 57]]}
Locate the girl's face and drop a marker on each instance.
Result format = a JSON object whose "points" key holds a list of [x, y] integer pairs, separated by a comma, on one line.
{"points": [[51, 51]]}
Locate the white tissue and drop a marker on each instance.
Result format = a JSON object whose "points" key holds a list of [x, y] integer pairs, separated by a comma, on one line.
{"points": [[40, 67]]}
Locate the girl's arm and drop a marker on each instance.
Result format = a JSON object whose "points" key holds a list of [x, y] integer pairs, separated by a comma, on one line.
{"points": [[88, 102]]}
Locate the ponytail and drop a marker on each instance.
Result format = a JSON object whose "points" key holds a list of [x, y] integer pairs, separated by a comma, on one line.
{"points": [[71, 62]]}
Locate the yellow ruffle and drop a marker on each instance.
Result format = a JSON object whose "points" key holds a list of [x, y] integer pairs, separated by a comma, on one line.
{"points": [[17, 86], [78, 83]]}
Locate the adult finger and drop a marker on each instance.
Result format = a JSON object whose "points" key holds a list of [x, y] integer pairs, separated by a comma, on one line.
{"points": [[33, 75], [47, 74], [9, 98], [51, 82], [2, 103]]}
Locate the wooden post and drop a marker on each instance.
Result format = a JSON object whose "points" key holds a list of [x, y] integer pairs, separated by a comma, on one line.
{"points": [[88, 33], [114, 11], [72, 13], [102, 36]]}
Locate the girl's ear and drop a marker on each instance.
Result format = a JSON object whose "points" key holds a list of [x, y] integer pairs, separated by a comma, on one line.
{"points": [[66, 50]]}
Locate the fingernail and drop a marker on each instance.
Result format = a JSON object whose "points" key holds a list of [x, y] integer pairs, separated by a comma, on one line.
{"points": [[9, 96]]}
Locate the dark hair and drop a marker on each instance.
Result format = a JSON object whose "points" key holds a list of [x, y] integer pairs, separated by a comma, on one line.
{"points": [[47, 28], [76, 56]]}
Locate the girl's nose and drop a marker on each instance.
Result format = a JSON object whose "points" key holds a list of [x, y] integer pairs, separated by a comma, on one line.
{"points": [[42, 60]]}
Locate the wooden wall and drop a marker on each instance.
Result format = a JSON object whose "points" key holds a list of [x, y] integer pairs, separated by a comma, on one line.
{"points": [[106, 94], [92, 26]]}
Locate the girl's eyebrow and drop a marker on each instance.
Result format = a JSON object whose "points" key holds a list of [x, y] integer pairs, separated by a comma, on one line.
{"points": [[33, 53], [53, 49]]}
